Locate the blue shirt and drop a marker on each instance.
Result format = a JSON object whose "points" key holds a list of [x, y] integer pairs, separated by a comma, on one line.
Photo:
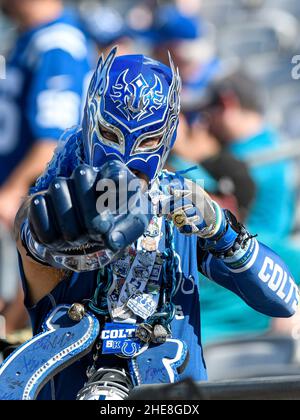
{"points": [[42, 93]]}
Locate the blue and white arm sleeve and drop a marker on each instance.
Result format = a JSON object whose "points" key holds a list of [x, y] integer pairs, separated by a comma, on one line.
{"points": [[260, 278]]}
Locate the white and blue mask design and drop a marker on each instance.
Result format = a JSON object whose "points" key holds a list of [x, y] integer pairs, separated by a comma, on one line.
{"points": [[131, 113]]}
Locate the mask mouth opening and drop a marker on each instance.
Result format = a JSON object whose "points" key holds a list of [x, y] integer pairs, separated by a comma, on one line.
{"points": [[145, 181]]}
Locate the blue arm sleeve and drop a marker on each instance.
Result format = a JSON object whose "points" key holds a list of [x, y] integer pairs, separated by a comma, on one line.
{"points": [[264, 283], [55, 94]]}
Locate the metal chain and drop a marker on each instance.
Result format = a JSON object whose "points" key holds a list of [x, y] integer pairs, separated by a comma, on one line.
{"points": [[97, 351], [98, 303]]}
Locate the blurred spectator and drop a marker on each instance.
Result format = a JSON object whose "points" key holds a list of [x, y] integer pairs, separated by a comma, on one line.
{"points": [[179, 30], [107, 28], [187, 37], [235, 116], [39, 99]]}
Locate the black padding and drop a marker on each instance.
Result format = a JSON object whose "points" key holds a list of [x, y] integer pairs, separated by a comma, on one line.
{"points": [[42, 221], [127, 230], [68, 215], [65, 213], [125, 183], [84, 180]]}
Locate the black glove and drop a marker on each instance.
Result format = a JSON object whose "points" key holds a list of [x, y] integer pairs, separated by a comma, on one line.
{"points": [[87, 215]]}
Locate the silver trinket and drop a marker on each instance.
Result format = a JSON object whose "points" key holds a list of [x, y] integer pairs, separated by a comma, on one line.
{"points": [[160, 334], [144, 333], [76, 312]]}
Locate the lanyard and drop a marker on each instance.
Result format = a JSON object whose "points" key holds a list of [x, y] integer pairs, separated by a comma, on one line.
{"points": [[136, 276]]}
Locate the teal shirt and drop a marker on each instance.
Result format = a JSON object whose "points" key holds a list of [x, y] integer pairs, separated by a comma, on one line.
{"points": [[274, 207], [225, 316]]}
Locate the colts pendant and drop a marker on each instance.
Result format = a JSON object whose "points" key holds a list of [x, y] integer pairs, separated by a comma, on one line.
{"points": [[153, 229], [149, 244]]}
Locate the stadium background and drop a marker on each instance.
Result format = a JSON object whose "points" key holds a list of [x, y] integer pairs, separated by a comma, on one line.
{"points": [[261, 37]]}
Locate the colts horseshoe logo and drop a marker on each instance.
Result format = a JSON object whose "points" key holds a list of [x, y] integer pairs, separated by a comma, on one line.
{"points": [[61, 343]]}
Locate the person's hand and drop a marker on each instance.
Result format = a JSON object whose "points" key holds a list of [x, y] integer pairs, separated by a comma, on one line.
{"points": [[195, 213], [190, 207], [10, 200], [90, 211]]}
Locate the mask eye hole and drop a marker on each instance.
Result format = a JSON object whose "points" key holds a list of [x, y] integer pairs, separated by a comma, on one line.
{"points": [[151, 143], [108, 134]]}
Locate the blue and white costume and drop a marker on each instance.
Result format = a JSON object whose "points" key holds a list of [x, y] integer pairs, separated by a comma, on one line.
{"points": [[135, 98]]}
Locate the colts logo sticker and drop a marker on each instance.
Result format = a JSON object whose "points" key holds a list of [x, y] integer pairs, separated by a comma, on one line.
{"points": [[120, 339]]}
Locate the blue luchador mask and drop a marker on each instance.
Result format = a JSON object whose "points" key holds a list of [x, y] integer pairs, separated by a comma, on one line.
{"points": [[131, 113]]}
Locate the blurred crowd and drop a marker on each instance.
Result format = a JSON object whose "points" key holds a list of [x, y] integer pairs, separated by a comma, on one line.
{"points": [[239, 131]]}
